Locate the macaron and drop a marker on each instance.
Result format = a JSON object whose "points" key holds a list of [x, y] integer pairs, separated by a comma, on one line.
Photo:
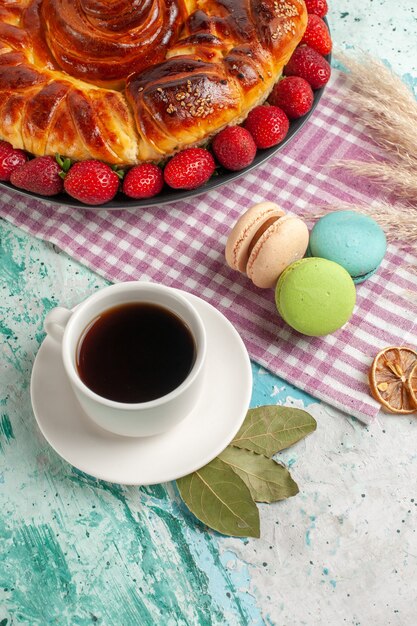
{"points": [[264, 241], [315, 296], [352, 239]]}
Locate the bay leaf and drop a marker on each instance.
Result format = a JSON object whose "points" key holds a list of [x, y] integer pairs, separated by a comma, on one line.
{"points": [[267, 480], [220, 499], [271, 428]]}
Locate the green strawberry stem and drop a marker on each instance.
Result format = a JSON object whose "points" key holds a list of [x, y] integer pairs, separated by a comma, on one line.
{"points": [[64, 163]]}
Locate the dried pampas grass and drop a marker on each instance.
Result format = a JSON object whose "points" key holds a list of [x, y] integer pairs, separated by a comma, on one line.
{"points": [[388, 109], [396, 179]]}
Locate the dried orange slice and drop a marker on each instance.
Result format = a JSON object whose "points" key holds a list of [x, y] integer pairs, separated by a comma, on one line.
{"points": [[389, 379], [412, 384]]}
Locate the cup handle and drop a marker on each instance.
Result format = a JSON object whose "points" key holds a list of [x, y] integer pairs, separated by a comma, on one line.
{"points": [[56, 321]]}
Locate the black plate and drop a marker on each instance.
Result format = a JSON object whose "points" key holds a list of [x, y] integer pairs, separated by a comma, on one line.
{"points": [[168, 195]]}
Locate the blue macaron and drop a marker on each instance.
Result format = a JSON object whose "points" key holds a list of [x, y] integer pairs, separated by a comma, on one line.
{"points": [[352, 239]]}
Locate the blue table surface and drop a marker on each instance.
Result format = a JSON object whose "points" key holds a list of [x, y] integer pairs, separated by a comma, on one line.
{"points": [[78, 551]]}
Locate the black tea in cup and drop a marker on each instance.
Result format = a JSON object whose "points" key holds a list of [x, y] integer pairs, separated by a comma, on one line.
{"points": [[135, 352]]}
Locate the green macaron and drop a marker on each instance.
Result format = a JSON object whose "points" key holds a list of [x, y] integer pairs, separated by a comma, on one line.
{"points": [[315, 296]]}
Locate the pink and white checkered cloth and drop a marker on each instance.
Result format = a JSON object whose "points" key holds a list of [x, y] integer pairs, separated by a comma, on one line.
{"points": [[182, 245]]}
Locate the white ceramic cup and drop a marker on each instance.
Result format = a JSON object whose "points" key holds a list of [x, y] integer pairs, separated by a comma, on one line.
{"points": [[140, 419]]}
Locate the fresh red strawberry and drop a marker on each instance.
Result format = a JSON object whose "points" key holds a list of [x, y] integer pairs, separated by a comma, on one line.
{"points": [[143, 181], [318, 7], [317, 35], [39, 175], [293, 95], [189, 169], [310, 65], [91, 182], [234, 148], [10, 159], [268, 125]]}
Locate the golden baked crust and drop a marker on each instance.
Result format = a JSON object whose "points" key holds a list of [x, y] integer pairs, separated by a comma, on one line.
{"points": [[127, 81]]}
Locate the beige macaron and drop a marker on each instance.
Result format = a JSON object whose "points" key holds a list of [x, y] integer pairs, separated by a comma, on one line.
{"points": [[264, 241]]}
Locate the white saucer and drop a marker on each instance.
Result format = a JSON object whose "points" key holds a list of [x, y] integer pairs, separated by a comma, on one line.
{"points": [[149, 460]]}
